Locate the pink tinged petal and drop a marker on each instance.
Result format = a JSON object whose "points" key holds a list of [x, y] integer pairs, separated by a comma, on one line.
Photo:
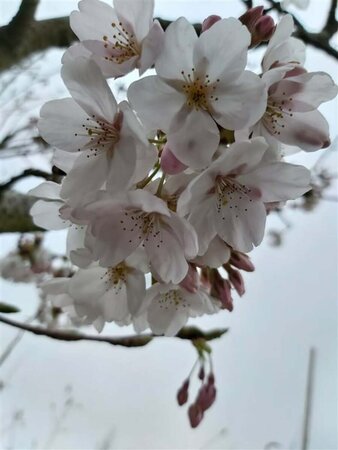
{"points": [[184, 233], [81, 257], [166, 255], [306, 92], [240, 103], [46, 215], [136, 290], [240, 221], [93, 21], [47, 189], [61, 123], [166, 316], [151, 47], [279, 181], [89, 88], [138, 14], [214, 56], [169, 163], [308, 130], [148, 95], [292, 50], [177, 52], [240, 157], [193, 137], [89, 166]]}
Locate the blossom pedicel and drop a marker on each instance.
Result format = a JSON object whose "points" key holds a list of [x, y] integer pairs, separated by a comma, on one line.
{"points": [[175, 182]]}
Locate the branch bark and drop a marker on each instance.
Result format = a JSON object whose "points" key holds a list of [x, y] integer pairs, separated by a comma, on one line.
{"points": [[187, 333], [14, 213], [18, 42]]}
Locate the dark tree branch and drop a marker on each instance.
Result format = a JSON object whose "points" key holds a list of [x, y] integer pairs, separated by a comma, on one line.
{"points": [[27, 173], [317, 40], [187, 333], [330, 27], [24, 36], [14, 213]]}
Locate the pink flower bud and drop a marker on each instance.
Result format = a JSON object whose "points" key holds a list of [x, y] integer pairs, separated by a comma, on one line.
{"points": [[195, 414], [206, 396], [221, 289], [241, 261], [201, 373], [191, 280], [209, 22], [264, 28], [236, 279], [169, 163], [261, 27], [182, 394]]}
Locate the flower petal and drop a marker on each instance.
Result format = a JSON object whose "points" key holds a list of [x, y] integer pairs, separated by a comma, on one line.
{"points": [[240, 103], [151, 47], [46, 215], [47, 189], [215, 42], [279, 181], [61, 123], [138, 14], [148, 95], [177, 52], [89, 88]]}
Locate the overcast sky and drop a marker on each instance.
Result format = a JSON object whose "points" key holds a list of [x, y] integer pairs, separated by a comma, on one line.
{"points": [[260, 366]]}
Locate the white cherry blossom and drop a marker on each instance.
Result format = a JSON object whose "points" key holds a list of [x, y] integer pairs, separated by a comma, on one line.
{"points": [[119, 39], [292, 116], [110, 140], [227, 199], [167, 307], [121, 225], [200, 81]]}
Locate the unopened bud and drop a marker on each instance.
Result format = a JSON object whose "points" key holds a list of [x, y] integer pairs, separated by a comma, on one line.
{"points": [[222, 291], [195, 414], [191, 281], [209, 22], [206, 396], [261, 27], [182, 394], [265, 27], [201, 373], [169, 163], [236, 279], [241, 261]]}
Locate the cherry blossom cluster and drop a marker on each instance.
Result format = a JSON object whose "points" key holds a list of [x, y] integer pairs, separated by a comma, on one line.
{"points": [[166, 192]]}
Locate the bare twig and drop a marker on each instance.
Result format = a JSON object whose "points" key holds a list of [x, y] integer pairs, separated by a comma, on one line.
{"points": [[187, 333], [330, 27], [27, 173]]}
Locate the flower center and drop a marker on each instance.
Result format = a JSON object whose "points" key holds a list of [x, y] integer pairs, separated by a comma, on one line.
{"points": [[230, 193], [116, 276], [103, 135], [276, 111], [123, 47], [199, 91], [172, 298]]}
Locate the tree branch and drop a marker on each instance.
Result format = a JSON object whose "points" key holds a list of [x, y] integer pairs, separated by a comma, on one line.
{"points": [[330, 27], [187, 333], [27, 173], [14, 213], [317, 40]]}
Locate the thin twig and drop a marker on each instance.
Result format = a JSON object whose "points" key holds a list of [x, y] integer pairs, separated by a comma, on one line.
{"points": [[187, 333], [308, 400]]}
